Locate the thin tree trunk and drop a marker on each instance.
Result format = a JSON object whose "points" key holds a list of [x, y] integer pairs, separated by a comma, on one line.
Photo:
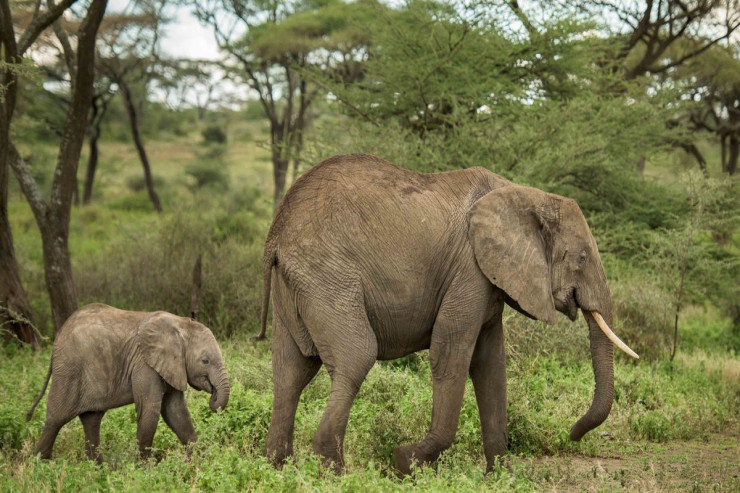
{"points": [[15, 309], [134, 121], [58, 273], [195, 293], [734, 154], [92, 166], [53, 217]]}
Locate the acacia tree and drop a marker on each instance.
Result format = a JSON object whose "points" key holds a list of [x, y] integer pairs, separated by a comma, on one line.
{"points": [[663, 40], [273, 45], [15, 311], [713, 82], [190, 83], [129, 44], [53, 215]]}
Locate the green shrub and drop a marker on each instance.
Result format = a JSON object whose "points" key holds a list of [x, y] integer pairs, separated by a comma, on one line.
{"points": [[653, 426], [213, 134], [12, 427], [137, 183], [208, 174]]}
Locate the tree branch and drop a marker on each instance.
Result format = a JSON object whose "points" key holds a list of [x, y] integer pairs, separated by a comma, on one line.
{"points": [[38, 24], [28, 184]]}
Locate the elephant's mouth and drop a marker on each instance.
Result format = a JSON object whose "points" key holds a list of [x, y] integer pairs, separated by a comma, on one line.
{"points": [[565, 302], [203, 384]]}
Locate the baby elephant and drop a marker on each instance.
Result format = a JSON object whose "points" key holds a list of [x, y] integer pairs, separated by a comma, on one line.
{"points": [[104, 358]]}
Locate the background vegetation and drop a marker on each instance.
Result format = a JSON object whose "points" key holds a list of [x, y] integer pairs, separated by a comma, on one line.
{"points": [[557, 101]]}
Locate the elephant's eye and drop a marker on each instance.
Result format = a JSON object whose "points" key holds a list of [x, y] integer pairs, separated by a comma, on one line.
{"points": [[582, 258], [205, 361]]}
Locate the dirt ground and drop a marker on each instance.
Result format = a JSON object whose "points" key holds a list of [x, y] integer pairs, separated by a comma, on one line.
{"points": [[702, 465]]}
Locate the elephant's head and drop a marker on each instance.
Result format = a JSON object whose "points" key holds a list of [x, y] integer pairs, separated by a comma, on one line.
{"points": [[538, 249], [183, 351]]}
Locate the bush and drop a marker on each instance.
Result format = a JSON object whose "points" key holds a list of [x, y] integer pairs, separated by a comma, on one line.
{"points": [[12, 428], [137, 183], [148, 266], [213, 134], [213, 174]]}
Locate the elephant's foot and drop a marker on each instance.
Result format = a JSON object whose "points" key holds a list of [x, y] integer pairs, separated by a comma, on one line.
{"points": [[331, 455], [409, 457], [97, 457], [500, 461], [278, 455], [335, 464]]}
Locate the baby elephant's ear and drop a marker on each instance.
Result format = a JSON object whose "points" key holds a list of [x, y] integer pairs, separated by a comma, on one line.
{"points": [[163, 348]]}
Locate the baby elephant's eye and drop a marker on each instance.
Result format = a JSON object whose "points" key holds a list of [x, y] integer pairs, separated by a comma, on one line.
{"points": [[582, 258], [205, 361]]}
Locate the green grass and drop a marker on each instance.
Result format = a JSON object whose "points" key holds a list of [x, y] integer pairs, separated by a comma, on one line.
{"points": [[657, 407]]}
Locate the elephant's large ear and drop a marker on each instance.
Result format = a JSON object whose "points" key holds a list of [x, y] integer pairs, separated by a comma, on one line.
{"points": [[163, 348], [510, 230]]}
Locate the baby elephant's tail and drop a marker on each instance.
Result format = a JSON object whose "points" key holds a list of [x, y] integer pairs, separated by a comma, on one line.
{"points": [[29, 414]]}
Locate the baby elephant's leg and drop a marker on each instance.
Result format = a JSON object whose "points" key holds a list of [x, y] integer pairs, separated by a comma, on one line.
{"points": [[177, 417], [148, 389], [91, 424]]}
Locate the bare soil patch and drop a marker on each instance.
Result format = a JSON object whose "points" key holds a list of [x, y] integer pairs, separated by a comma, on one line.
{"points": [[712, 464]]}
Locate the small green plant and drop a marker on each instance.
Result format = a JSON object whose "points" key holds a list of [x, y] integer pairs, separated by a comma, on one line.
{"points": [[208, 174], [214, 134]]}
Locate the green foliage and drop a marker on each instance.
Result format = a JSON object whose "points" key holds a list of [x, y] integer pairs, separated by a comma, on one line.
{"points": [[208, 174], [654, 402], [450, 87], [12, 428], [213, 134]]}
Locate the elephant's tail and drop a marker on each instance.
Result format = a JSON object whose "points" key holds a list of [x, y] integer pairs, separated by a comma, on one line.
{"points": [[29, 414], [269, 260]]}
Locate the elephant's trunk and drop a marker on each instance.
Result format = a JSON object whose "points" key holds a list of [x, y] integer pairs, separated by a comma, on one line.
{"points": [[602, 358], [220, 395]]}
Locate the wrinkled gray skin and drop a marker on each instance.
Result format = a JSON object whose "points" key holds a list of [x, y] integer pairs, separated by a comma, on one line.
{"points": [[104, 358], [370, 262]]}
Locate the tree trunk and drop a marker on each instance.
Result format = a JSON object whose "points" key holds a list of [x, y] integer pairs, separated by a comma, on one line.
{"points": [[92, 159], [134, 121], [279, 173], [53, 217], [58, 273], [195, 293], [733, 154], [92, 165], [14, 306]]}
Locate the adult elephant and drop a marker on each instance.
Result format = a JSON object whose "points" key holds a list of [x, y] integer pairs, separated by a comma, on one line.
{"points": [[370, 261]]}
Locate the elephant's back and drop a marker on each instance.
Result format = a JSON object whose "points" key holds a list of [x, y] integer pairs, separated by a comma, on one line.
{"points": [[95, 332]]}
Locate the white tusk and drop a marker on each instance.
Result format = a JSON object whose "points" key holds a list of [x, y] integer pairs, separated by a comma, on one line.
{"points": [[612, 336]]}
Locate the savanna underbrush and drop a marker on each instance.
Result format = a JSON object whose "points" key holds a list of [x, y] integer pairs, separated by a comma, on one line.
{"points": [[693, 398]]}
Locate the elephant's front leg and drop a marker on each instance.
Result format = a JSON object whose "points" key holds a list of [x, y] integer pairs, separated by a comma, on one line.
{"points": [[148, 389], [450, 352], [488, 372], [175, 413]]}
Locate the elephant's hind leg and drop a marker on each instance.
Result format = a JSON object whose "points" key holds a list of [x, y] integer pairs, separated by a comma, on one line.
{"points": [[91, 424], [60, 410], [292, 371], [49, 435], [348, 348]]}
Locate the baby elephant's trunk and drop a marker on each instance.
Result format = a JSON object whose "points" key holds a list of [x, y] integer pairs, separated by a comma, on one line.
{"points": [[220, 395]]}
